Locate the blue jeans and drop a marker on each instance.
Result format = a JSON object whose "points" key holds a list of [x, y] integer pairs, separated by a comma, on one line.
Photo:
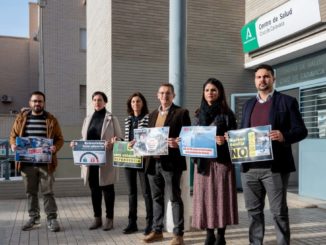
{"points": [[256, 184], [35, 176], [170, 181]]}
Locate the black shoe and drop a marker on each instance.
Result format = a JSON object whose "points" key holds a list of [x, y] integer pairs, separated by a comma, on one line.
{"points": [[131, 228], [32, 223], [53, 225], [147, 230]]}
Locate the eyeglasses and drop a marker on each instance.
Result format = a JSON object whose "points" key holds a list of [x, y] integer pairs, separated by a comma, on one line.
{"points": [[37, 101], [164, 93]]}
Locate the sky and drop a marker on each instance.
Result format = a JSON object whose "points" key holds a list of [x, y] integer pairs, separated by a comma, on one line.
{"points": [[14, 17]]}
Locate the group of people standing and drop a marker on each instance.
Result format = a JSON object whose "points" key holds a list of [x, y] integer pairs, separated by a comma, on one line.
{"points": [[214, 193]]}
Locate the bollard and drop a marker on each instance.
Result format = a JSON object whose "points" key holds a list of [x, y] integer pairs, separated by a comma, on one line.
{"points": [[6, 169]]}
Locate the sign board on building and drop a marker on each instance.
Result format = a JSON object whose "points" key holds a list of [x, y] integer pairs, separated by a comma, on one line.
{"points": [[283, 21]]}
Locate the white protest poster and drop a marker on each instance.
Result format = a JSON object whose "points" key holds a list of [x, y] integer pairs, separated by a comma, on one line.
{"points": [[151, 141], [89, 152]]}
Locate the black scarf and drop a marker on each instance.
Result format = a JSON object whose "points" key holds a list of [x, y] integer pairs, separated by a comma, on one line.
{"points": [[207, 113]]}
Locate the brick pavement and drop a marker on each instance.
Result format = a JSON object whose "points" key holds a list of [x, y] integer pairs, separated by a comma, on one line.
{"points": [[308, 224]]}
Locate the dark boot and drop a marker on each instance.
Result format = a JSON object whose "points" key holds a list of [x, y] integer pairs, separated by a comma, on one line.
{"points": [[220, 239], [96, 223], [210, 237], [108, 225], [131, 228]]}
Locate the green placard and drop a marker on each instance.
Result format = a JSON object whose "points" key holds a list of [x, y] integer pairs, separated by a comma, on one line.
{"points": [[124, 156]]}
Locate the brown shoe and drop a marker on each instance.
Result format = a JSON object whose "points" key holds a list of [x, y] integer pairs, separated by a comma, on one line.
{"points": [[96, 223], [177, 240], [108, 225], [153, 237]]}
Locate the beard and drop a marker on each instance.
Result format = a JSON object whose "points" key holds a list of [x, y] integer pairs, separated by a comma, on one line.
{"points": [[37, 109], [264, 87]]}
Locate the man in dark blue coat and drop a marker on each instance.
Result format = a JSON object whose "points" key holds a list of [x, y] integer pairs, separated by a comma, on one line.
{"points": [[280, 111]]}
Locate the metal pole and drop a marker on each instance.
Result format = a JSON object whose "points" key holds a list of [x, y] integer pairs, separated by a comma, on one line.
{"points": [[177, 48], [177, 67]]}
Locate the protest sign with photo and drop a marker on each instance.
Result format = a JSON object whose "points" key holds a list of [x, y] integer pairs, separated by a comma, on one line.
{"points": [[89, 152], [198, 141], [33, 149], [250, 144], [151, 141]]}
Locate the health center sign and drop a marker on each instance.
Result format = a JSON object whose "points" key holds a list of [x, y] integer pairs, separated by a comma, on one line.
{"points": [[283, 21]]}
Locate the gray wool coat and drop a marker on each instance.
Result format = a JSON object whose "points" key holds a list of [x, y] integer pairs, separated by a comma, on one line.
{"points": [[108, 174]]}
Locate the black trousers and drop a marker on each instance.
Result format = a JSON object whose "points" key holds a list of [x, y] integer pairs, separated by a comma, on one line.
{"points": [[97, 190], [131, 177], [169, 182]]}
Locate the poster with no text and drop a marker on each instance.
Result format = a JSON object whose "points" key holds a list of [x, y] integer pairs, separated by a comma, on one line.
{"points": [[33, 149], [124, 156], [198, 141], [250, 144], [89, 152]]}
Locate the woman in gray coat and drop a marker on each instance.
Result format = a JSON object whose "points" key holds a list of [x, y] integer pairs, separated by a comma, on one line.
{"points": [[101, 125]]}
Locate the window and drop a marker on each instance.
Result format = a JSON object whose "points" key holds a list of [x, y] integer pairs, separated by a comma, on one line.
{"points": [[82, 96], [82, 39], [313, 109]]}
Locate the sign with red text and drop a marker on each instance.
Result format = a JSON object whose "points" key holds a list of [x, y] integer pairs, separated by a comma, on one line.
{"points": [[198, 141]]}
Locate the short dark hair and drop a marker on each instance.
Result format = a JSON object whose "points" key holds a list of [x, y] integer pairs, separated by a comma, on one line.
{"points": [[266, 67], [144, 109], [170, 85], [38, 93], [105, 98]]}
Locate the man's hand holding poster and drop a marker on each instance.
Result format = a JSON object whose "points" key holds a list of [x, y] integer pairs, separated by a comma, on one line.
{"points": [[124, 156], [250, 144], [33, 149], [89, 152], [151, 141], [198, 141]]}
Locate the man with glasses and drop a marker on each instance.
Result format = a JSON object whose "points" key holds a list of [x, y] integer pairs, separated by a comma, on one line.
{"points": [[36, 122], [164, 172]]}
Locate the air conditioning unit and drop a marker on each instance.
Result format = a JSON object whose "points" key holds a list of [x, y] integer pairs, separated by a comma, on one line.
{"points": [[42, 3], [6, 99]]}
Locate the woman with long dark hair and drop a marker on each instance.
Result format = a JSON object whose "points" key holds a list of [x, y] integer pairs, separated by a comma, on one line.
{"points": [[137, 118], [214, 194]]}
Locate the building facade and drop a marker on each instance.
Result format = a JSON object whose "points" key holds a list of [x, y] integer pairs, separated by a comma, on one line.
{"points": [[53, 60], [19, 72], [128, 50]]}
